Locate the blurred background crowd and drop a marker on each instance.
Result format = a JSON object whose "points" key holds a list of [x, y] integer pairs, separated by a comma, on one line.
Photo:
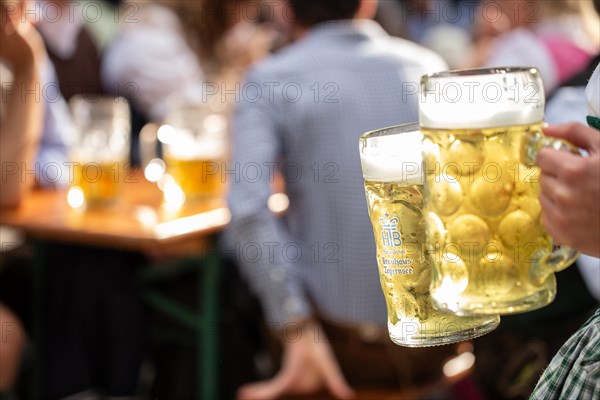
{"points": [[159, 54]]}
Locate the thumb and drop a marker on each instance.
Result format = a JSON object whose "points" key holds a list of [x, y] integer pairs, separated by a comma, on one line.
{"points": [[264, 390]]}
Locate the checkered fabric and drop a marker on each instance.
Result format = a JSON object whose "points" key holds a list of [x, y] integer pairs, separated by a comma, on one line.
{"points": [[574, 372]]}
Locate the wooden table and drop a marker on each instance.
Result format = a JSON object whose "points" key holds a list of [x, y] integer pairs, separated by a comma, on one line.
{"points": [[137, 221]]}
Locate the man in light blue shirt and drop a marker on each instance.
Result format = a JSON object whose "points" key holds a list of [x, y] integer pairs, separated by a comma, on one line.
{"points": [[302, 112]]}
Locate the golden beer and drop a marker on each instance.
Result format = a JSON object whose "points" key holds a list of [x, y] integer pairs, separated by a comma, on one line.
{"points": [[485, 237], [99, 182], [484, 220], [196, 177], [99, 150], [195, 144], [395, 196]]}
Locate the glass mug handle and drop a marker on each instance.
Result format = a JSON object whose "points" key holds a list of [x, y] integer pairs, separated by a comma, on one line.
{"points": [[562, 256], [148, 144]]}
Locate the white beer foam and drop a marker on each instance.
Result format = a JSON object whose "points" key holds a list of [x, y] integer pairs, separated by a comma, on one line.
{"points": [[184, 144], [473, 102], [208, 151], [394, 158]]}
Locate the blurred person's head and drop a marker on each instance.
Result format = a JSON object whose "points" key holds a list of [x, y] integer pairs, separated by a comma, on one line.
{"points": [[494, 18], [502, 16], [205, 22], [308, 13], [582, 10]]}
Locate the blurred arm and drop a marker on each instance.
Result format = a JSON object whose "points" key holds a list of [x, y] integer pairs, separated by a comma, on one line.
{"points": [[21, 122], [256, 236]]}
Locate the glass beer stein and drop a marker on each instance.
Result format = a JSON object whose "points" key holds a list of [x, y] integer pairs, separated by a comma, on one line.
{"points": [[485, 237], [394, 185], [195, 146], [100, 149]]}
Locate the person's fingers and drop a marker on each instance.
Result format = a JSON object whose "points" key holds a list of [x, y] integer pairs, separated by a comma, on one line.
{"points": [[266, 390], [254, 391], [10, 19], [548, 184], [558, 191], [337, 385], [557, 162], [552, 219], [549, 161], [282, 382], [578, 134], [334, 379], [3, 15], [6, 26]]}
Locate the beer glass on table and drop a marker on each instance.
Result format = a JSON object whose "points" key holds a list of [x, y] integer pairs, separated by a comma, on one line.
{"points": [[194, 142], [486, 240], [100, 149], [394, 186]]}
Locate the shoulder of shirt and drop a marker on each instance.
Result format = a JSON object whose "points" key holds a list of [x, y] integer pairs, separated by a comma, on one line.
{"points": [[416, 54], [288, 60]]}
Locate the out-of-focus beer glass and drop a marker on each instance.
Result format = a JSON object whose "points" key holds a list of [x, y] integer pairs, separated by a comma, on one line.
{"points": [[489, 250], [394, 185], [195, 147], [100, 149]]}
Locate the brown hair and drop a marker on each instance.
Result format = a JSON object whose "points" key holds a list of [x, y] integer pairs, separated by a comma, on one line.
{"points": [[311, 12], [204, 23]]}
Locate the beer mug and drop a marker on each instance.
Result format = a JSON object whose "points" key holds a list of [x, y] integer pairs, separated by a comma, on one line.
{"points": [[486, 240], [194, 142], [394, 185], [100, 149]]}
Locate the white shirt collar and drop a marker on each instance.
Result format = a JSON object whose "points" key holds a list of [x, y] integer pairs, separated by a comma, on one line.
{"points": [[592, 93]]}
